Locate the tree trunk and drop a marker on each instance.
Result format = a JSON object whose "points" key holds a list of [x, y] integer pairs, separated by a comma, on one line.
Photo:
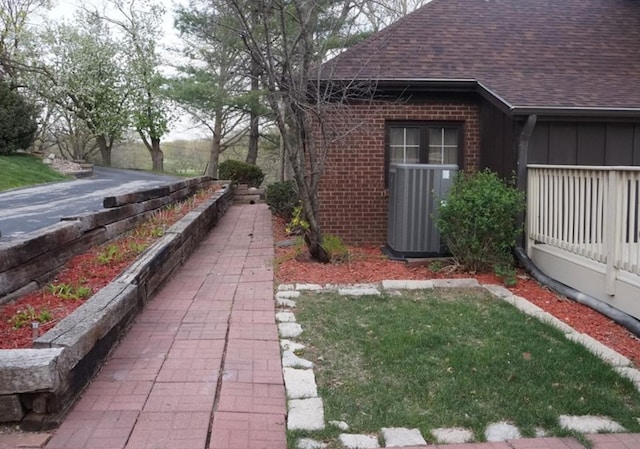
{"points": [[254, 131], [157, 156], [105, 150], [216, 146], [153, 145], [214, 157]]}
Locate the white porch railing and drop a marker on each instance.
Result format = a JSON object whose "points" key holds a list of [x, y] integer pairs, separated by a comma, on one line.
{"points": [[592, 212]]}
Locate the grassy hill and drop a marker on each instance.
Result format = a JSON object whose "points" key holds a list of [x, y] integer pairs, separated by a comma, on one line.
{"points": [[24, 170]]}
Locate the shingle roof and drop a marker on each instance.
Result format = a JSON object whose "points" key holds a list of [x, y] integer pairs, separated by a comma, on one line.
{"points": [[530, 53]]}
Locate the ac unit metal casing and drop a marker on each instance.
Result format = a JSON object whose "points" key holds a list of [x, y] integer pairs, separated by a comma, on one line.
{"points": [[415, 190]]}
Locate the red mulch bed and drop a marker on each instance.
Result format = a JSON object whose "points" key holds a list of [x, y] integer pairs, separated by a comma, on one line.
{"points": [[370, 265], [86, 270]]}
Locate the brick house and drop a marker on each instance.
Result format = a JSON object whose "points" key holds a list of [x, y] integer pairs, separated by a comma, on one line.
{"points": [[501, 84]]}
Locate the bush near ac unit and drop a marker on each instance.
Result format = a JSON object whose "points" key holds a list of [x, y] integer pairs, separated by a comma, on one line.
{"points": [[478, 220], [241, 173]]}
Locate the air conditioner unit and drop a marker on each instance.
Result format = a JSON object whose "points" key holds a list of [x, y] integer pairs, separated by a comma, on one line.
{"points": [[415, 190]]}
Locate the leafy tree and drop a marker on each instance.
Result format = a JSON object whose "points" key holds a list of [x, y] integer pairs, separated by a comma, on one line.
{"points": [[15, 32], [211, 87], [80, 72], [18, 123], [140, 22]]}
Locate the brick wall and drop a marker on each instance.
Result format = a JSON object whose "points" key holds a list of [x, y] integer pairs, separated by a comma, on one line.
{"points": [[353, 199]]}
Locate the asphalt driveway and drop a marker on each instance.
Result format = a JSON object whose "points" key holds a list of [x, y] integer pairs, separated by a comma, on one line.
{"points": [[26, 210]]}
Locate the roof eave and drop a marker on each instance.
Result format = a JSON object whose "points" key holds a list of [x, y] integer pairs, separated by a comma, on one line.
{"points": [[568, 111]]}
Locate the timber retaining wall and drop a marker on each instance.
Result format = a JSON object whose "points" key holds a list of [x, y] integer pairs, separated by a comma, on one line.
{"points": [[38, 385]]}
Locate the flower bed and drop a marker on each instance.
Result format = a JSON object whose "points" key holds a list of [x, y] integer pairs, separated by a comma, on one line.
{"points": [[370, 265]]}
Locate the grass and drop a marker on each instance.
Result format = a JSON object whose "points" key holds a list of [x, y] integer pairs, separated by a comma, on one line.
{"points": [[22, 170], [458, 358]]}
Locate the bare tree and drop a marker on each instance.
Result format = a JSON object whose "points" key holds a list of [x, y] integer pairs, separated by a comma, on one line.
{"points": [[287, 40]]}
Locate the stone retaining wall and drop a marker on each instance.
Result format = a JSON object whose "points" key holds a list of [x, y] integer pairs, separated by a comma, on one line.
{"points": [[37, 386]]}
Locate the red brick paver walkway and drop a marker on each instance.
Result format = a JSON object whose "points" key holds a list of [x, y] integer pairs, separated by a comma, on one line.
{"points": [[200, 368]]}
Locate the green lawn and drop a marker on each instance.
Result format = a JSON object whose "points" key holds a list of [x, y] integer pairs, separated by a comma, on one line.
{"points": [[23, 170], [448, 358]]}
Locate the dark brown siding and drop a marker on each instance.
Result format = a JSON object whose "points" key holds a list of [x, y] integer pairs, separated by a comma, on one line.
{"points": [[636, 146], [592, 143], [563, 143], [498, 147], [585, 143]]}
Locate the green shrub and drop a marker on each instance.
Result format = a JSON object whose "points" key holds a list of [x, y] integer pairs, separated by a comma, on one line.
{"points": [[297, 225], [241, 173], [282, 198], [478, 220], [336, 249], [18, 124]]}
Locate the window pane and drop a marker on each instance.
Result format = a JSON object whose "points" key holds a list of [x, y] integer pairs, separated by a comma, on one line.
{"points": [[396, 136], [404, 145], [451, 136], [435, 137], [396, 155], [412, 136], [443, 145], [413, 155]]}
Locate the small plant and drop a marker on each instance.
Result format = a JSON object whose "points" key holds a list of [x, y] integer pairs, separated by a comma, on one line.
{"points": [[479, 220], [24, 317], [436, 266], [137, 247], [282, 198], [109, 254], [507, 274], [241, 173], [298, 225], [336, 249], [69, 292]]}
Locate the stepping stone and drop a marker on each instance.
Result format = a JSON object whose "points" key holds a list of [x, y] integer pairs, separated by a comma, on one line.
{"points": [[340, 425], [287, 294], [355, 441], [590, 424], [358, 291], [286, 287], [501, 431], [285, 303], [309, 287], [400, 436], [452, 435], [300, 383], [290, 360], [305, 414], [289, 330], [288, 345], [285, 317], [455, 283], [309, 443], [406, 285]]}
